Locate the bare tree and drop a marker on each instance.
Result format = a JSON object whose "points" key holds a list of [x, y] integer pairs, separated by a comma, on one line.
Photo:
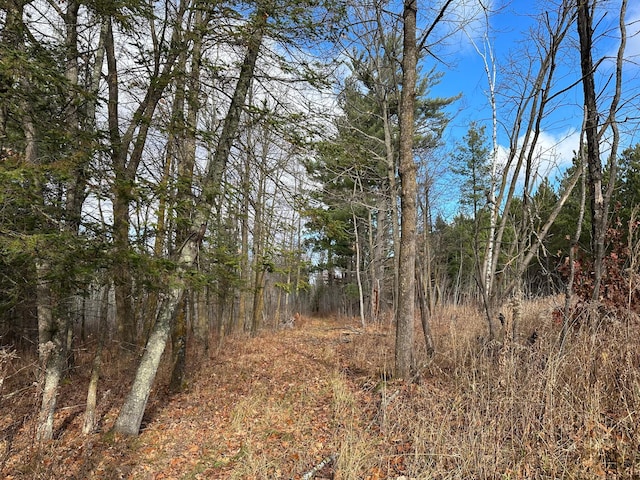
{"points": [[409, 189], [130, 416], [599, 192], [530, 97]]}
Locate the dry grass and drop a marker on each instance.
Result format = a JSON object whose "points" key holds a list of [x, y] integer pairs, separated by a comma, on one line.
{"points": [[277, 405], [479, 410]]}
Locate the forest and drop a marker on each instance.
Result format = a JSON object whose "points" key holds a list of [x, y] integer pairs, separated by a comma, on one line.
{"points": [[190, 190]]}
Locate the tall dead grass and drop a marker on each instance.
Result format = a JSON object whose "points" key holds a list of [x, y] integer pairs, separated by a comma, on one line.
{"points": [[490, 410]]}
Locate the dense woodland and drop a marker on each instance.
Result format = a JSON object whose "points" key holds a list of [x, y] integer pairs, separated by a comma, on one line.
{"points": [[176, 172]]}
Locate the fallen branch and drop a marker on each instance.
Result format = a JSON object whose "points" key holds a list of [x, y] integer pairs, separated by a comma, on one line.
{"points": [[386, 401], [326, 461]]}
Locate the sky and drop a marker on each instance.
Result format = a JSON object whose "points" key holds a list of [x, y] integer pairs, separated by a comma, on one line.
{"points": [[510, 26], [510, 30]]}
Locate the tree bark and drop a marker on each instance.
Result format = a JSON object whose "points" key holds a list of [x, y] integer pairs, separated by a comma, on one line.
{"points": [[424, 313], [52, 341], [363, 323], [392, 201], [131, 414], [594, 166], [407, 286], [90, 416], [599, 194], [179, 346]]}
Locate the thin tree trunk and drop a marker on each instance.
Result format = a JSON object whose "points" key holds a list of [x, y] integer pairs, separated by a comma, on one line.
{"points": [[186, 153], [424, 313], [568, 298], [259, 260], [376, 265], [130, 416], [121, 274], [594, 167], [90, 416], [392, 202], [179, 346], [490, 70], [363, 323], [245, 281]]}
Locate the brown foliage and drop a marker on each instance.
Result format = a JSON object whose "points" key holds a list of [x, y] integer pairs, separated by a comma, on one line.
{"points": [[278, 405], [619, 297]]}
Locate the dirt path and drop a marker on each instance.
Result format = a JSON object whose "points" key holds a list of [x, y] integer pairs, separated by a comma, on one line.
{"points": [[268, 407], [263, 409]]}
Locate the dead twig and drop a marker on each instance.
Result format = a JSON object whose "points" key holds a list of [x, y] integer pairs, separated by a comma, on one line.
{"points": [[326, 461]]}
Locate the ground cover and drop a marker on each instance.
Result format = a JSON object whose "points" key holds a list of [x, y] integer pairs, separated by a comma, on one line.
{"points": [[318, 401]]}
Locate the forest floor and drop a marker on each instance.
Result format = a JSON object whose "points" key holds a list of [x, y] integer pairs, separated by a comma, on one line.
{"points": [[317, 401], [275, 406]]}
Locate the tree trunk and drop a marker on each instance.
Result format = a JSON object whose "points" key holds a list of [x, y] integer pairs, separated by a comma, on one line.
{"points": [[377, 263], [363, 323], [392, 201], [573, 247], [90, 416], [186, 126], [406, 294], [179, 346], [259, 259], [130, 416], [599, 196], [424, 313], [52, 340], [245, 272], [121, 194], [594, 166]]}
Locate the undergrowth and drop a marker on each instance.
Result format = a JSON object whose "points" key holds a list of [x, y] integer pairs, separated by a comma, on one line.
{"points": [[524, 411], [323, 395]]}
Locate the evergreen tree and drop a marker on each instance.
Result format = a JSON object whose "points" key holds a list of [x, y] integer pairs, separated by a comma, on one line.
{"points": [[627, 194]]}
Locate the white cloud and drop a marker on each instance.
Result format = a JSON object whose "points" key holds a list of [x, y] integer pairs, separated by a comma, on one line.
{"points": [[633, 34], [551, 155], [464, 24]]}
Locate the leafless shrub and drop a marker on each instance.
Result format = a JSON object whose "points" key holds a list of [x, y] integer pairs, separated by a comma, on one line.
{"points": [[520, 410]]}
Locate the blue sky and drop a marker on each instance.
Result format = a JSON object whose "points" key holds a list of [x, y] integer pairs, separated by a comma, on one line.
{"points": [[510, 31], [509, 28]]}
